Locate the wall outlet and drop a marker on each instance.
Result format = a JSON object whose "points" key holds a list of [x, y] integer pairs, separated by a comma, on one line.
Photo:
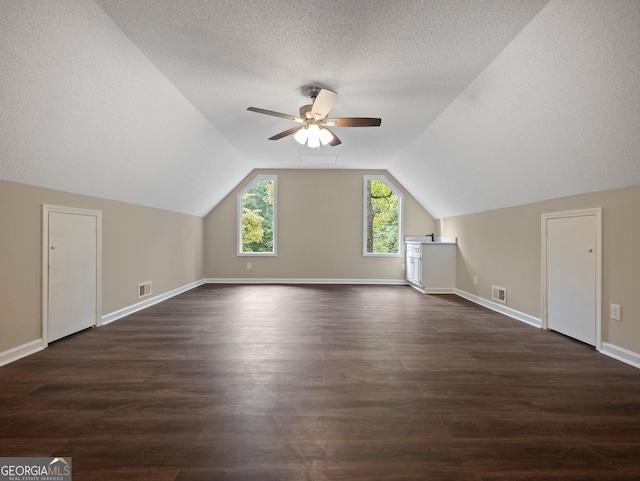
{"points": [[249, 265], [404, 267], [475, 280], [616, 312]]}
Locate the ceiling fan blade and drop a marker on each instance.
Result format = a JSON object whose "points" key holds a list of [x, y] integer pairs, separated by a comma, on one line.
{"points": [[353, 122], [276, 114], [336, 140], [286, 132], [323, 103]]}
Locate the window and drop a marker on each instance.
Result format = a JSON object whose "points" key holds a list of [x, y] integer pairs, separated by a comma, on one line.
{"points": [[257, 217], [382, 217]]}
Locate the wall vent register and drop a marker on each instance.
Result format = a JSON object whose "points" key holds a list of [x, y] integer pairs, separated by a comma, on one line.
{"points": [[144, 289], [499, 294]]}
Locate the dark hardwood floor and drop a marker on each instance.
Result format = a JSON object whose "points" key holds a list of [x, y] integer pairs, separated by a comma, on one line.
{"points": [[277, 383]]}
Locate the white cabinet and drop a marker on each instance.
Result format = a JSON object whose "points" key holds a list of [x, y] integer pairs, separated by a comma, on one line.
{"points": [[414, 264], [439, 268], [431, 266]]}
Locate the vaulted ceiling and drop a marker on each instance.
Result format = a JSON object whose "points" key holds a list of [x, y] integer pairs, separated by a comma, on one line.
{"points": [[484, 103]]}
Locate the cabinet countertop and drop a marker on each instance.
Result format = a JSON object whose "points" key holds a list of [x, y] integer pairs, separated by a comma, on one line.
{"points": [[427, 240]]}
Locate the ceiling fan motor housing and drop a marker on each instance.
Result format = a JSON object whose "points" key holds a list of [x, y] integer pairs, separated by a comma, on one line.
{"points": [[305, 112], [312, 91]]}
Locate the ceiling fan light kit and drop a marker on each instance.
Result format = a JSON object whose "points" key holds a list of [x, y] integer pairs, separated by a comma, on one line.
{"points": [[301, 135], [313, 136], [314, 132]]}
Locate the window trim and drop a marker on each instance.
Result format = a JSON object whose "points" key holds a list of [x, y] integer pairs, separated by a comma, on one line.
{"points": [[246, 189], [400, 195]]}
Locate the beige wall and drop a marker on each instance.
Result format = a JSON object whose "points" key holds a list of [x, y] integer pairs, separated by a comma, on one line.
{"points": [[319, 230], [138, 244], [502, 247], [320, 236]]}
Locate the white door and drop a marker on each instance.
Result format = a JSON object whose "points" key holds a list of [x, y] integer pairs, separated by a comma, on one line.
{"points": [[72, 274], [571, 276]]}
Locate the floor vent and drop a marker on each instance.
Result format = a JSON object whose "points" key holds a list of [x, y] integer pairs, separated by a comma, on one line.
{"points": [[144, 289], [499, 294]]}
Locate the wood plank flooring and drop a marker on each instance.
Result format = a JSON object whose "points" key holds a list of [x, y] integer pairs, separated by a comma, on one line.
{"points": [[278, 383]]}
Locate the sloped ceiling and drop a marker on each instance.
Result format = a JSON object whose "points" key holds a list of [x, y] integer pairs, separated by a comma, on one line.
{"points": [[557, 113], [485, 103], [84, 111]]}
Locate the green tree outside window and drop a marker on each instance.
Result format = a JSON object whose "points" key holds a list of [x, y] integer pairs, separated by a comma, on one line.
{"points": [[258, 217], [382, 217]]}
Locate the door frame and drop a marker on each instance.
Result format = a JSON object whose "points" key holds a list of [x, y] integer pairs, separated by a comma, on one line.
{"points": [[597, 212], [46, 209]]}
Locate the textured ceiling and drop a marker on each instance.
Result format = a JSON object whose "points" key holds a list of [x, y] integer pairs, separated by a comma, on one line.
{"points": [[485, 103], [557, 113], [403, 61], [82, 110]]}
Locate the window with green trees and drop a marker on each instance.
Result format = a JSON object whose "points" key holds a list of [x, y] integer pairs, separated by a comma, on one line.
{"points": [[257, 217], [382, 217]]}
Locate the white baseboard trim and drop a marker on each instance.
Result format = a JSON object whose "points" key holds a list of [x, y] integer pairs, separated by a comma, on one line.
{"points": [[433, 290], [120, 313], [19, 352], [621, 354], [502, 309], [240, 280]]}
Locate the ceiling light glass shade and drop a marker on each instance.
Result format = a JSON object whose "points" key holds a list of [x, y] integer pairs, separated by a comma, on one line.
{"points": [[314, 136], [325, 136], [301, 135], [313, 142]]}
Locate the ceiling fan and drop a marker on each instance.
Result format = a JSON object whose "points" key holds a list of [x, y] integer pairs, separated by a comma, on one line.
{"points": [[314, 130]]}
